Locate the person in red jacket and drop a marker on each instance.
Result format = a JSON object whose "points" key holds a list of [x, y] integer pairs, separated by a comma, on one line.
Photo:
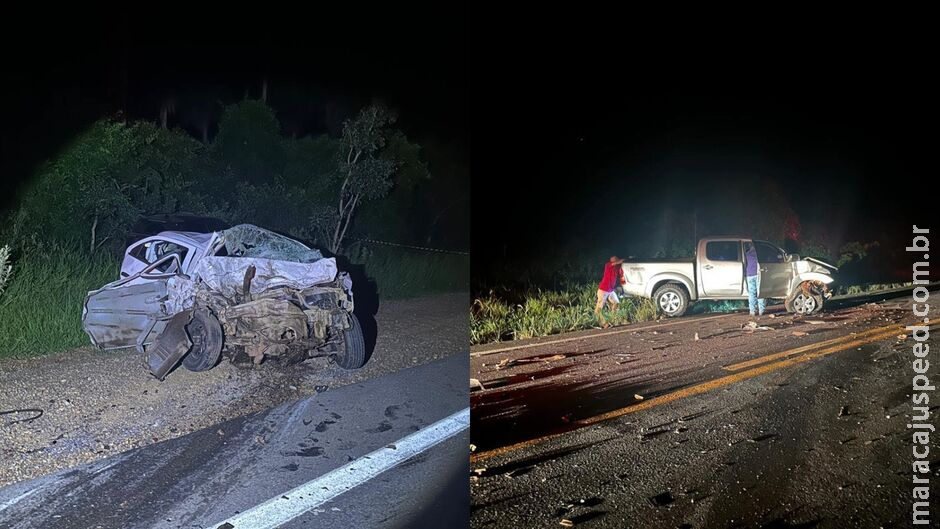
{"points": [[613, 274]]}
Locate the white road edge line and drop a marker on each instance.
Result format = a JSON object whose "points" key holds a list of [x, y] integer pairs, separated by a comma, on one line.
{"points": [[17, 499], [284, 507]]}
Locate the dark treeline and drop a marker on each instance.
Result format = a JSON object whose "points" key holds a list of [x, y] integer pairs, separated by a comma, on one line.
{"points": [[368, 181]]}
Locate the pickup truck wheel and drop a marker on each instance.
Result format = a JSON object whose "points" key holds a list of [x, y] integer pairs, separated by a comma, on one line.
{"points": [[671, 300], [805, 304], [205, 331], [354, 355]]}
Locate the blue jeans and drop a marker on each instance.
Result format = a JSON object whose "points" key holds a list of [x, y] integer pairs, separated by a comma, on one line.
{"points": [[753, 283]]}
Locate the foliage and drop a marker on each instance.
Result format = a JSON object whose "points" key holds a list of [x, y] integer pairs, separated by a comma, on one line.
{"points": [[365, 174], [103, 182], [545, 312], [6, 269], [854, 251]]}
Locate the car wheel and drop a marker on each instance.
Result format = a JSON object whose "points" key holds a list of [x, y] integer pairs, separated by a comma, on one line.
{"points": [[205, 331], [671, 299], [354, 354]]}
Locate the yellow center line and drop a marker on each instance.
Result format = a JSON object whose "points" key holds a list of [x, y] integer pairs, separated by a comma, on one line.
{"points": [[629, 328], [767, 358], [883, 332]]}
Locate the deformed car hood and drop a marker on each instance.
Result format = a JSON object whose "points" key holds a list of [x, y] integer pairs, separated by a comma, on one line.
{"points": [[227, 274]]}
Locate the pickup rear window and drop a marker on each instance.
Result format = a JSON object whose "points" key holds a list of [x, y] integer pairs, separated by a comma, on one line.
{"points": [[723, 251]]}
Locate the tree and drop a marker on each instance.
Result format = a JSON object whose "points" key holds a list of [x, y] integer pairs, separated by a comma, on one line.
{"points": [[365, 174]]}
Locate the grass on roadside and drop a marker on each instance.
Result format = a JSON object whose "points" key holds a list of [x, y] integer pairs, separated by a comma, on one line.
{"points": [[403, 273], [41, 308], [548, 312]]}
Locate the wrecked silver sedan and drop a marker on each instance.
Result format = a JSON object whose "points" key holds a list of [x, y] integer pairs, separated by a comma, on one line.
{"points": [[245, 292]]}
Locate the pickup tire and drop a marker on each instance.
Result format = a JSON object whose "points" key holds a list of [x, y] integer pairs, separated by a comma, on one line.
{"points": [[671, 299], [205, 331], [354, 355], [801, 303]]}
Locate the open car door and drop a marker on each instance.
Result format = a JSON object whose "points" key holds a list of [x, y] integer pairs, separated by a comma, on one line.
{"points": [[120, 314], [775, 271]]}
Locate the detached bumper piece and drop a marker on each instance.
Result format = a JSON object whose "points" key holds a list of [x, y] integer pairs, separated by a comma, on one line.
{"points": [[170, 346]]}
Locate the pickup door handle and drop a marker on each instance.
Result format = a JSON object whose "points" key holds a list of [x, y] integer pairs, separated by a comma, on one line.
{"points": [[708, 267]]}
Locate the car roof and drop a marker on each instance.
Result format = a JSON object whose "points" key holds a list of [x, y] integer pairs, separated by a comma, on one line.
{"points": [[199, 240]]}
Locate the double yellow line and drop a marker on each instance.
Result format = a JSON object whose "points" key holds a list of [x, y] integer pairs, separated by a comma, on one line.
{"points": [[765, 364]]}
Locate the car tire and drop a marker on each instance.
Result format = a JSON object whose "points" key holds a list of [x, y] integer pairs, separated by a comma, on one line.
{"points": [[354, 354], [671, 299], [205, 331]]}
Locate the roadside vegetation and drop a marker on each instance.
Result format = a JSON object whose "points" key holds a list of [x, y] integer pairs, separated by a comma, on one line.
{"points": [[545, 312], [67, 230]]}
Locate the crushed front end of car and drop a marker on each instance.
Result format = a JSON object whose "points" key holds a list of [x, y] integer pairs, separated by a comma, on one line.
{"points": [[259, 296]]}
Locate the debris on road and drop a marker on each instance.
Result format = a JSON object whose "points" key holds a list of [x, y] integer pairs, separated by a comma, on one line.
{"points": [[637, 397], [553, 358], [475, 384], [696, 337], [566, 523], [504, 363], [799, 333], [843, 411], [752, 326]]}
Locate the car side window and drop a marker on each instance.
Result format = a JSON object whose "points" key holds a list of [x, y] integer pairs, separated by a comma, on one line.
{"points": [[768, 253], [723, 251]]}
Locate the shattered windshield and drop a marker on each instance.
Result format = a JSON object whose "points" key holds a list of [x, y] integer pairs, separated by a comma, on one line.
{"points": [[248, 240]]}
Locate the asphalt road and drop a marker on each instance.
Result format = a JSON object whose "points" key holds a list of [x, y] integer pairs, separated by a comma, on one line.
{"points": [[209, 477], [701, 422]]}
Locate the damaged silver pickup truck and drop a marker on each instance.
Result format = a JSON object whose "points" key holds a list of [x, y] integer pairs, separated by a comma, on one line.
{"points": [[245, 292], [716, 272]]}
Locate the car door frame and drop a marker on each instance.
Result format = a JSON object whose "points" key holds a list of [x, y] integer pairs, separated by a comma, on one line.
{"points": [[184, 264], [775, 278], [715, 269]]}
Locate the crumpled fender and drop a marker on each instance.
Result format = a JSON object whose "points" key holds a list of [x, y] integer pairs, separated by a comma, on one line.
{"points": [[810, 276]]}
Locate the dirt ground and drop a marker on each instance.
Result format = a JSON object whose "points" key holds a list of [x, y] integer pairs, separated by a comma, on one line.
{"points": [[74, 407]]}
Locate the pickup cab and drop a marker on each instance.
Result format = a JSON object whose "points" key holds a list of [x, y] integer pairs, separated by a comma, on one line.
{"points": [[716, 272]]}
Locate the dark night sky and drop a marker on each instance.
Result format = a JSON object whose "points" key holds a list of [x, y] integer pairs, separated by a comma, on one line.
{"points": [[322, 65], [590, 136]]}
